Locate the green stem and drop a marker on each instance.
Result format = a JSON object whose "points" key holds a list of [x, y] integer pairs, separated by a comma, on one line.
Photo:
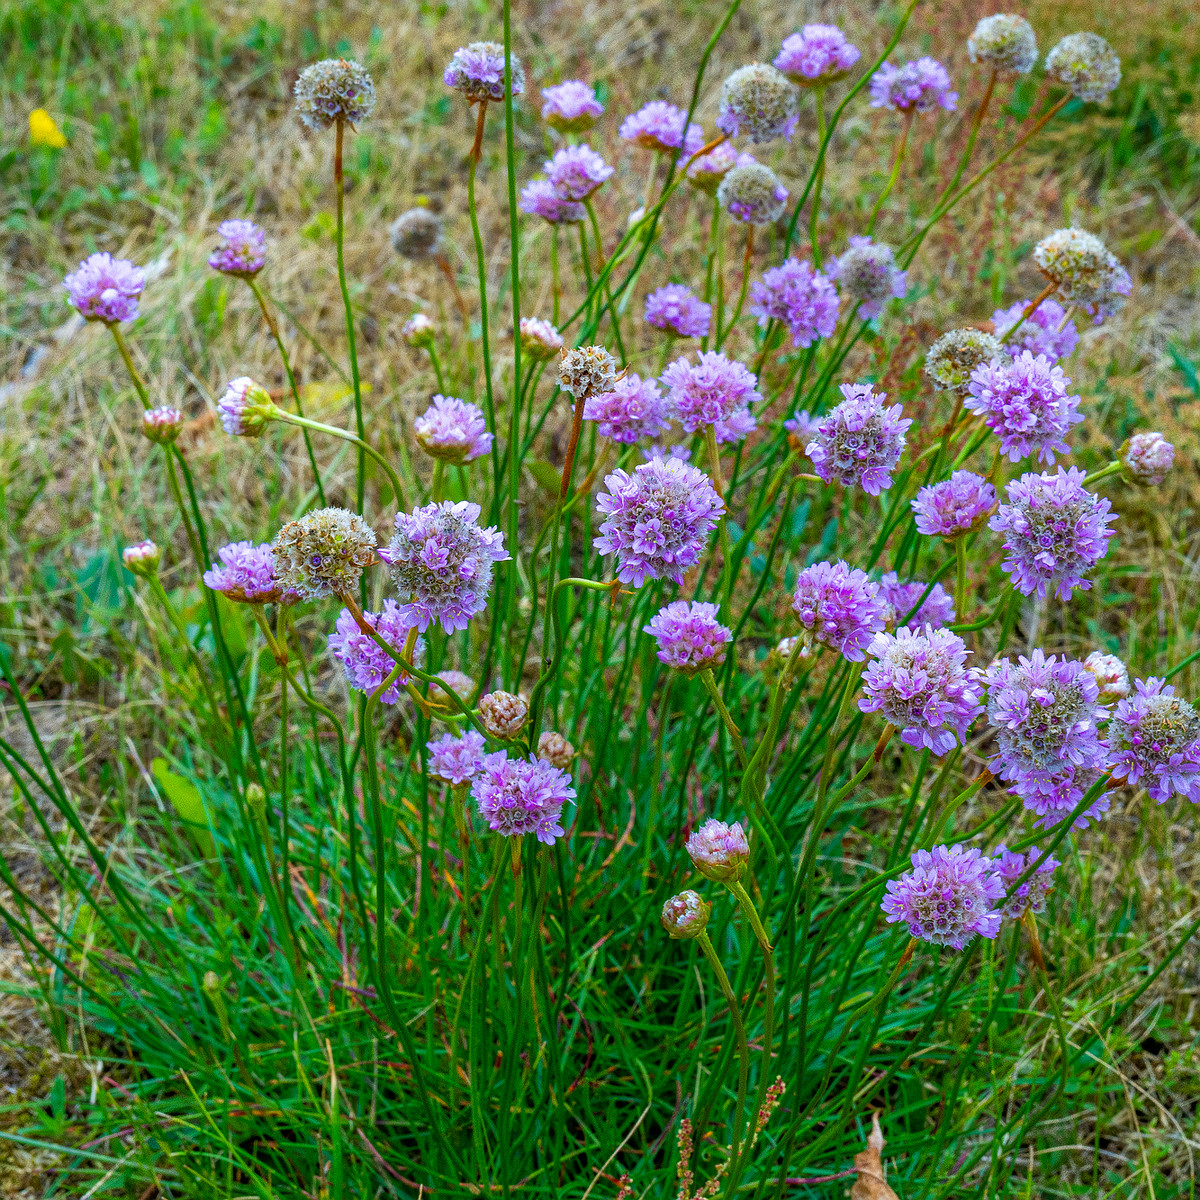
{"points": [[739, 1032], [123, 347], [741, 300], [897, 160], [735, 736], [980, 112], [714, 459], [435, 487], [960, 579], [1113, 468], [814, 214]]}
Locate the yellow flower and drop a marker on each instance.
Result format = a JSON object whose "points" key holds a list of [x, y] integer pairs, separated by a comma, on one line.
{"points": [[43, 131]]}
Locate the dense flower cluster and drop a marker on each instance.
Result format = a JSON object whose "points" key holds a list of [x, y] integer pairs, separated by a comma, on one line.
{"points": [[575, 172], [718, 851], [868, 274], [951, 359], [1111, 675], [1004, 41], [571, 106], [364, 661], [416, 233], [539, 199], [518, 796], [947, 897], [689, 636], [841, 606], [635, 408], [659, 126], [675, 309], [555, 749], [452, 430], [242, 251], [918, 85], [323, 554], [816, 56], [1155, 739], [245, 408], [954, 506], [937, 609], [335, 89], [1147, 457], [246, 573], [105, 289], [752, 193], [1046, 331], [859, 442], [455, 759], [760, 102], [539, 339], [1031, 895], [587, 371], [1084, 271], [1087, 64], [707, 170], [802, 299], [477, 71], [686, 915], [162, 424], [503, 714], [708, 391]]}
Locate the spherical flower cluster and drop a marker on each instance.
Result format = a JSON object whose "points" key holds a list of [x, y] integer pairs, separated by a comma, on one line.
{"points": [[323, 554], [245, 408], [452, 430], [142, 558], [841, 606], [1056, 531], [951, 359], [675, 309], [106, 289], [539, 339], [1045, 331], [242, 251], [519, 796], [335, 89], [816, 56], [868, 274], [571, 106], [657, 519], [689, 636], [246, 573], [1111, 675], [937, 609], [455, 681], [1004, 41], [366, 663], [659, 126], [685, 915], [947, 898], [707, 170], [1031, 895], [859, 441], [1147, 457], [710, 390], [575, 172], [416, 233], [539, 199], [804, 300], [753, 194], [718, 851], [920, 685], [419, 331], [457, 760], [555, 749], [759, 101], [503, 714], [915, 86], [635, 408], [1025, 403], [1087, 64], [477, 71], [954, 506], [442, 561], [162, 424], [1084, 270], [1155, 737], [587, 371]]}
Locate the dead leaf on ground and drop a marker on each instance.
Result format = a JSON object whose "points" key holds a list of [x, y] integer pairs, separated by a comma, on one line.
{"points": [[870, 1184]]}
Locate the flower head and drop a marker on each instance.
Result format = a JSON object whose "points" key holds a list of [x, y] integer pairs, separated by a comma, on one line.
{"points": [[917, 85], [947, 898], [659, 126], [555, 749], [859, 442], [689, 636], [1057, 531], [708, 391], [575, 172], [1045, 331], [706, 171], [1147, 457], [539, 339], [463, 686], [753, 193], [367, 664], [759, 101], [951, 359], [245, 573], [1087, 64], [245, 408], [539, 199], [162, 424], [954, 506], [442, 561], [518, 796], [1155, 738], [142, 558], [685, 915], [106, 289], [816, 56], [477, 71], [323, 553], [1031, 895], [452, 430], [571, 106], [802, 299], [841, 606], [868, 274], [937, 609], [587, 371], [455, 759], [242, 251], [635, 408], [675, 309], [1004, 41], [503, 714], [417, 233], [419, 331], [718, 851], [1084, 270], [335, 89], [1111, 675]]}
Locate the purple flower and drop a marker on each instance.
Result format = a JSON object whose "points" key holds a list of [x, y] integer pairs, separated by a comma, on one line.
{"points": [[947, 897], [817, 55], [1111, 674], [686, 915], [937, 610], [955, 506], [366, 663], [442, 560], [1057, 530], [1155, 738], [659, 126], [1025, 403], [243, 249], [452, 430], [869, 275], [245, 408], [841, 606], [759, 101], [1147, 457], [657, 519], [689, 636], [571, 106], [106, 289], [457, 760], [575, 172], [1040, 333], [246, 572], [707, 171], [917, 85], [675, 309], [801, 427], [332, 90], [635, 408], [752, 193], [539, 199], [860, 441], [919, 683], [142, 558], [718, 851], [1031, 895], [519, 796], [712, 389], [477, 71], [734, 427], [803, 299]]}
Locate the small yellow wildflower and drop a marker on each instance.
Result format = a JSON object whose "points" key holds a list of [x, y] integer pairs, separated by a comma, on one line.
{"points": [[43, 131]]}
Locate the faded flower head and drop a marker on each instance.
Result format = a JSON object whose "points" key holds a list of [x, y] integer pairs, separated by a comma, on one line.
{"points": [[587, 371], [539, 199], [1046, 330], [868, 274], [689, 636], [816, 56], [760, 102], [947, 897], [1084, 270], [462, 685], [246, 573], [162, 424], [142, 558], [335, 89], [1031, 895], [477, 71], [937, 609], [753, 194], [452, 430], [708, 391], [106, 289], [918, 85], [954, 506], [718, 851], [841, 606], [455, 759], [575, 172], [707, 170], [1111, 675], [417, 233], [659, 126], [503, 714], [635, 408], [802, 299], [951, 359], [539, 339], [1087, 64], [1004, 41], [519, 796], [242, 251], [571, 106], [1147, 457], [674, 308], [245, 408], [685, 915], [419, 331], [555, 749], [1155, 738], [859, 442], [367, 664], [323, 553]]}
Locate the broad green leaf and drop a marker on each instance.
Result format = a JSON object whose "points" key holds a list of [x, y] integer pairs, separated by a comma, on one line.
{"points": [[185, 798]]}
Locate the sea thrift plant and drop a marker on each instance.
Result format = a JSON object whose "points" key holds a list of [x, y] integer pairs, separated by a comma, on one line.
{"points": [[243, 248], [571, 106], [841, 606], [518, 796], [917, 86], [868, 275], [539, 198], [323, 554], [162, 425], [859, 443], [685, 915], [416, 234], [1155, 737], [332, 91], [587, 371], [718, 851], [659, 126], [1005, 42], [1111, 675], [635, 408], [1087, 64], [1047, 331], [142, 558], [955, 355], [455, 758], [477, 71], [816, 56], [453, 430], [675, 309], [245, 573], [708, 391], [555, 749], [245, 409], [801, 298], [103, 288], [1147, 457], [706, 171], [503, 714], [690, 637], [955, 506], [575, 172], [759, 102], [539, 339], [1031, 895], [752, 193], [365, 663], [937, 609], [948, 897], [419, 331], [1084, 271]]}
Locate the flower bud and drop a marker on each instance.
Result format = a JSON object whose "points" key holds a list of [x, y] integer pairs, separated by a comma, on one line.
{"points": [[503, 714], [142, 559], [1112, 675], [1146, 458], [162, 424], [417, 233], [419, 331], [539, 339], [245, 408], [555, 749], [686, 915], [718, 851], [256, 800]]}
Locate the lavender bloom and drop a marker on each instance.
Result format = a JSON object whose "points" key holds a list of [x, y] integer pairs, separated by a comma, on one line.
{"points": [[816, 56], [801, 428], [859, 441], [571, 106], [920, 685], [245, 408], [657, 519], [711, 390], [243, 249], [246, 572], [955, 506], [453, 431], [689, 636], [706, 171], [1057, 530], [539, 199], [323, 554], [841, 606], [951, 359], [685, 915], [1147, 457], [659, 126], [1040, 333], [869, 275], [718, 851], [416, 234], [734, 427], [367, 664], [759, 101], [162, 424], [1005, 41], [937, 609], [804, 300], [1087, 64], [333, 90], [635, 408], [676, 310], [442, 561], [947, 898], [1084, 270], [1031, 895], [575, 172], [457, 760], [1156, 741], [477, 71], [539, 339], [917, 85], [753, 193], [520, 796], [106, 289], [1111, 675]]}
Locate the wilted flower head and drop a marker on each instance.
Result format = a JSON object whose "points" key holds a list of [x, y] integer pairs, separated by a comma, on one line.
{"points": [[463, 686], [689, 636], [947, 898], [917, 85], [685, 915], [951, 359], [539, 199], [452, 430], [442, 561], [635, 408], [1056, 531], [802, 299], [954, 506], [245, 573], [859, 442], [106, 289], [1147, 457], [674, 308], [416, 233], [1006, 42], [162, 424], [477, 71], [142, 558], [245, 408], [937, 609], [659, 126], [657, 519], [1045, 331], [1111, 675], [1031, 895], [519, 796], [555, 749], [587, 371], [710, 390], [718, 851], [868, 274], [419, 331], [242, 251], [503, 714], [323, 553], [919, 683], [571, 106], [456, 759], [817, 55], [335, 89], [575, 172], [706, 171], [841, 606], [1155, 737], [365, 663], [753, 194], [760, 102], [539, 339], [1087, 64], [1084, 270]]}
